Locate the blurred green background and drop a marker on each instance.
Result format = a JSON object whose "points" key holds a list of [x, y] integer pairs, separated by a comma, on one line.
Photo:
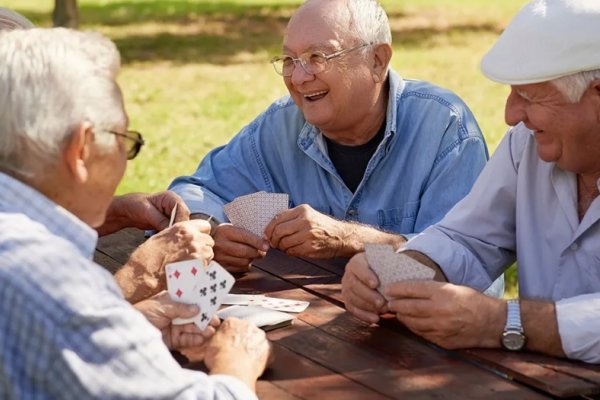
{"points": [[196, 71]]}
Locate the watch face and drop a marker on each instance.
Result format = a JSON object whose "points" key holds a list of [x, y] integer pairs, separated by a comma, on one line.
{"points": [[513, 340]]}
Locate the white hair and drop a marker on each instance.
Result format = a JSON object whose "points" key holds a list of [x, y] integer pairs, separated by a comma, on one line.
{"points": [[51, 81], [574, 86], [369, 21]]}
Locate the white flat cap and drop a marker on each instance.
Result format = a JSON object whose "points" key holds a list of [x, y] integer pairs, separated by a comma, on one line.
{"points": [[547, 39], [10, 20]]}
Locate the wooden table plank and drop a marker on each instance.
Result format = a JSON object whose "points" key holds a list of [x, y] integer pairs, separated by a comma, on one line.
{"points": [[302, 377], [558, 377], [445, 377], [303, 274], [296, 376], [120, 245]]}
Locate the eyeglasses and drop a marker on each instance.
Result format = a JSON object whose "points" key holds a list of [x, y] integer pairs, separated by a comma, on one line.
{"points": [[312, 63], [133, 144]]}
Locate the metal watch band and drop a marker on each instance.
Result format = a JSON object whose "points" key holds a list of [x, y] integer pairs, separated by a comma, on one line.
{"points": [[513, 317]]}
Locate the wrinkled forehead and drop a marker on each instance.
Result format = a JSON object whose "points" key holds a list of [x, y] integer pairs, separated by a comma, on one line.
{"points": [[319, 24]]}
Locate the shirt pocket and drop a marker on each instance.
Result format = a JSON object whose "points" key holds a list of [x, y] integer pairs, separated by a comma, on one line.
{"points": [[591, 272], [400, 220]]}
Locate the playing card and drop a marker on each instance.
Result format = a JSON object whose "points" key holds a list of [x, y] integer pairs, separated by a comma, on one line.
{"points": [[240, 299], [277, 304], [266, 207], [211, 292], [391, 267], [188, 282], [261, 317], [182, 277], [255, 211]]}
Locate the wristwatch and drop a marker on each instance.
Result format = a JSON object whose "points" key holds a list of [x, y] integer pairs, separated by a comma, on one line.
{"points": [[209, 218], [513, 337]]}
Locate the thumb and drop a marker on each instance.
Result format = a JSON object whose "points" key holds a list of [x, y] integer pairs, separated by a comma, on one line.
{"points": [[181, 310]]}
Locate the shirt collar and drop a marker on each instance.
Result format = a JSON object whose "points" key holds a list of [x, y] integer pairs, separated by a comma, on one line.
{"points": [[17, 197], [396, 88]]}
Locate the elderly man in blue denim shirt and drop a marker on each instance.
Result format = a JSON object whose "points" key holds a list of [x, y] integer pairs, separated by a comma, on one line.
{"points": [[364, 155]]}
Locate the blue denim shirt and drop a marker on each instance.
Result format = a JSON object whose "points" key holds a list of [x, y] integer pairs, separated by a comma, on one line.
{"points": [[429, 158]]}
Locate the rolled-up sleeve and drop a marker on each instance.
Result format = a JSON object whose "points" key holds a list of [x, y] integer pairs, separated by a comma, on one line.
{"points": [[579, 326]]}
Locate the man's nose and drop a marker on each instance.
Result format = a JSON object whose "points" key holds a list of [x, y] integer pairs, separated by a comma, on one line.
{"points": [[515, 110], [300, 73]]}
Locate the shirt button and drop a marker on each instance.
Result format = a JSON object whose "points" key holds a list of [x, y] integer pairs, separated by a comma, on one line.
{"points": [[352, 213], [574, 246]]}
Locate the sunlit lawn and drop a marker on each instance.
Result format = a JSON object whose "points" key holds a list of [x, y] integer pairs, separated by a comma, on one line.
{"points": [[197, 71]]}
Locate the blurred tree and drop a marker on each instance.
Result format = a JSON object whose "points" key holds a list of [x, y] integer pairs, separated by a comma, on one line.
{"points": [[66, 13]]}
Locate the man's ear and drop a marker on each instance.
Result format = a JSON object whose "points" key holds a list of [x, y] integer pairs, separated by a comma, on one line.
{"points": [[382, 54], [595, 86], [77, 151]]}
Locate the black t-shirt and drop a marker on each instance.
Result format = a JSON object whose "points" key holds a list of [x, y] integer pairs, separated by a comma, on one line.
{"points": [[351, 161]]}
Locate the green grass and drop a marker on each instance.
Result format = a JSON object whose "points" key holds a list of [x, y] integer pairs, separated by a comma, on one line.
{"points": [[195, 72]]}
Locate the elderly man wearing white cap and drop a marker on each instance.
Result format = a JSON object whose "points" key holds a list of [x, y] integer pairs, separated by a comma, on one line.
{"points": [[536, 202]]}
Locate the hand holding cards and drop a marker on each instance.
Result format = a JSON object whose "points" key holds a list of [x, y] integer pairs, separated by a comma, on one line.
{"points": [[391, 267], [188, 282], [255, 211]]}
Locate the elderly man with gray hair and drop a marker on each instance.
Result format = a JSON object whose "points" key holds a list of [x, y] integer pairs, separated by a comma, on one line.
{"points": [[364, 155], [535, 202], [66, 331], [144, 211]]}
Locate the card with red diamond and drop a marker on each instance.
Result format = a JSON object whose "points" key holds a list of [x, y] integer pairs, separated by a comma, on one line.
{"points": [[189, 282]]}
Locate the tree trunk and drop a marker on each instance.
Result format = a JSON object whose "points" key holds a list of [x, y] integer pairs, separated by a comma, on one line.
{"points": [[66, 13]]}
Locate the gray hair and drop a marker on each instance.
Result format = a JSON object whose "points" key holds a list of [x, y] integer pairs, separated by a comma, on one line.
{"points": [[52, 80], [574, 86], [369, 21]]}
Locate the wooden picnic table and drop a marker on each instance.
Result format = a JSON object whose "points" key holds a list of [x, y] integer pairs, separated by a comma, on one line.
{"points": [[329, 354]]}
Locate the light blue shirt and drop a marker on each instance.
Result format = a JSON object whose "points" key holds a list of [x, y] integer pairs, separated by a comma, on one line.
{"points": [[526, 209], [431, 154], [65, 330]]}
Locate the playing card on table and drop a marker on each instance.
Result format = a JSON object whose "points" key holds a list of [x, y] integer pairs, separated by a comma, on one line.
{"points": [[240, 299], [391, 267], [274, 303], [255, 211], [261, 317]]}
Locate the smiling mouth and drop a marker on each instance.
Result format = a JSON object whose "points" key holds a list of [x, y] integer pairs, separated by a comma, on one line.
{"points": [[316, 95]]}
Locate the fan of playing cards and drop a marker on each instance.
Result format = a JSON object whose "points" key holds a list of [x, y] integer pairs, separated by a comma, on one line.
{"points": [[255, 211], [189, 282], [391, 267]]}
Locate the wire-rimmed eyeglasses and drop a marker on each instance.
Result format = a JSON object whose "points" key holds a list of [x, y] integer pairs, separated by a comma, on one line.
{"points": [[312, 63], [134, 142]]}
